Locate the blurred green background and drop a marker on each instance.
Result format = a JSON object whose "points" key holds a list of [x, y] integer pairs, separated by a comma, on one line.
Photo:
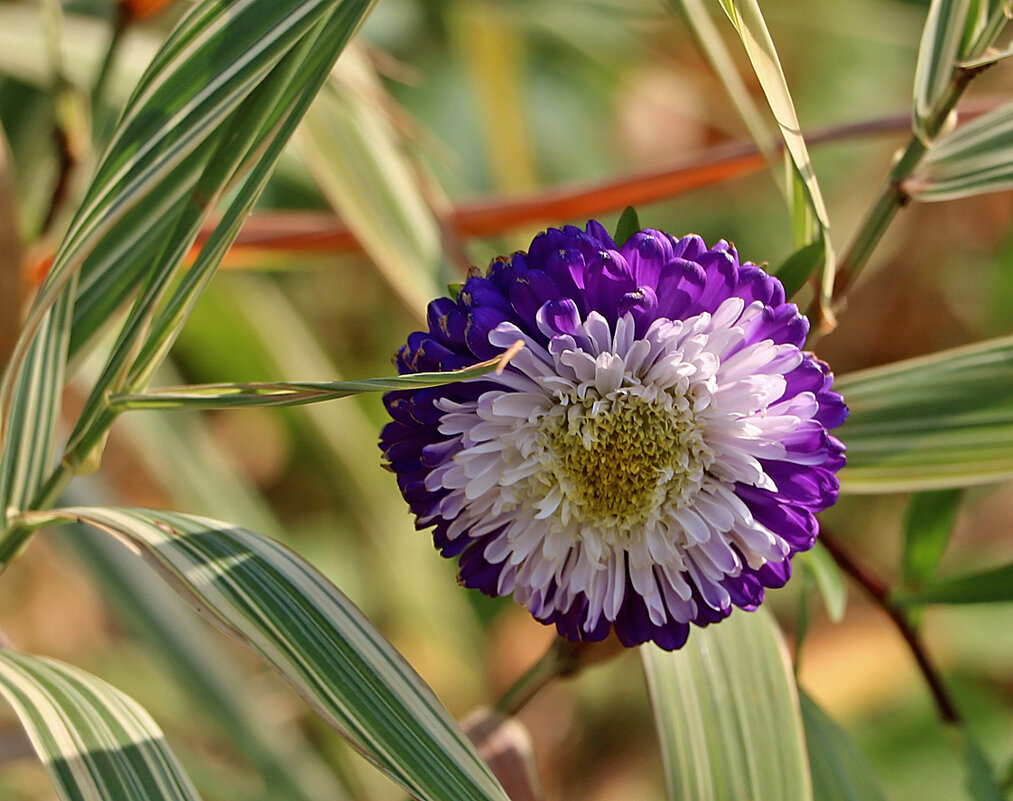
{"points": [[497, 100]]}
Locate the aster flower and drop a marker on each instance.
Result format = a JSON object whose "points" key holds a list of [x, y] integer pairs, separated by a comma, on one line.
{"points": [[652, 458]]}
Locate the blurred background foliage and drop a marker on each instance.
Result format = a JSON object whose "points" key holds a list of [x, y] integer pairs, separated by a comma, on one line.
{"points": [[462, 104]]}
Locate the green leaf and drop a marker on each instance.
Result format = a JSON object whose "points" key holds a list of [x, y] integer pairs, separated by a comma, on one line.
{"points": [[706, 33], [11, 285], [981, 782], [282, 609], [745, 15], [357, 158], [727, 714], [219, 99], [253, 140], [29, 439], [627, 226], [828, 578], [938, 54], [988, 586], [205, 671], [95, 742], [933, 422], [839, 771], [975, 159], [797, 268], [290, 393], [928, 524]]}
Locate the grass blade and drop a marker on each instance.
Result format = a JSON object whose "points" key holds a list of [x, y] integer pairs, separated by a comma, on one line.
{"points": [[933, 422], [727, 713], [839, 771], [29, 443], [975, 159], [95, 742], [355, 155], [986, 587], [706, 33], [748, 21], [11, 290], [938, 55], [293, 393], [204, 671], [928, 524], [282, 609]]}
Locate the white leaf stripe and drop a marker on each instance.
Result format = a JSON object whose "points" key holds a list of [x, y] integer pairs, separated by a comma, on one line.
{"points": [[29, 444], [280, 104], [728, 715], [161, 130], [283, 609], [943, 420], [97, 743]]}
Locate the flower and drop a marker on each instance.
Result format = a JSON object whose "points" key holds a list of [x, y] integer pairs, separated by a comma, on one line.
{"points": [[652, 457]]}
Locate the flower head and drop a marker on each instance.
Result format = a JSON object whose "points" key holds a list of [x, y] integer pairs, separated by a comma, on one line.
{"points": [[653, 457]]}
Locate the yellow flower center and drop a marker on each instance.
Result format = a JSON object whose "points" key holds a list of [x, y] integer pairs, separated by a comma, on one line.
{"points": [[618, 459]]}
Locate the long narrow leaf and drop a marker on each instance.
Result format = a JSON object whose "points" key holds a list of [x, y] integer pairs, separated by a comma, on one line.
{"points": [[933, 422], [282, 110], [205, 671], [748, 21], [937, 56], [30, 438], [293, 393], [11, 294], [694, 12], [928, 524], [839, 771], [355, 155], [975, 159], [217, 56], [986, 587], [728, 715], [283, 610], [96, 743]]}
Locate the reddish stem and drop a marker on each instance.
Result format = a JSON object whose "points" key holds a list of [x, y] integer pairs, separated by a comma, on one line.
{"points": [[880, 594]]}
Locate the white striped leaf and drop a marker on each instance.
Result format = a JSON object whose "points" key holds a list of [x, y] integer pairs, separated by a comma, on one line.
{"points": [[938, 54], [975, 159], [727, 713], [29, 439], [933, 422], [286, 612], [356, 156], [96, 743], [173, 130], [254, 139], [746, 17], [289, 393], [706, 33]]}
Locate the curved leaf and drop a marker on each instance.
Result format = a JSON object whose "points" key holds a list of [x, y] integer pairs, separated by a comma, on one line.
{"points": [[938, 54], [928, 523], [988, 586], [933, 422], [839, 771], [355, 155], [975, 159], [96, 743], [727, 713], [810, 217], [286, 612], [294, 393]]}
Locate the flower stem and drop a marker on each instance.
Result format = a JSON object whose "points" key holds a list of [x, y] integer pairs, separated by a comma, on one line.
{"points": [[892, 196], [880, 593], [561, 659]]}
